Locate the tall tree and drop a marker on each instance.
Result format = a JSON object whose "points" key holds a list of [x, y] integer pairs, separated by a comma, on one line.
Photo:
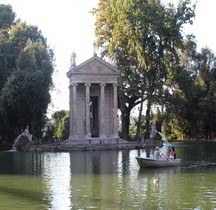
{"points": [[144, 37], [7, 51], [106, 21], [191, 104], [26, 76], [7, 17]]}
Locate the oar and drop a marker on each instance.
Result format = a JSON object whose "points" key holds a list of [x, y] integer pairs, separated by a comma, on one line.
{"points": [[170, 160], [173, 163]]}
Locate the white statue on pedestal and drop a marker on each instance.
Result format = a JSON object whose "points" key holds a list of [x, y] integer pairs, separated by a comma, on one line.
{"points": [[73, 59], [27, 133], [153, 132]]}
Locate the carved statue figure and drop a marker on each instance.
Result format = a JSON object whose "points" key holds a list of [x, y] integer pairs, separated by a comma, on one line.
{"points": [[153, 132], [27, 133], [73, 59], [94, 49]]}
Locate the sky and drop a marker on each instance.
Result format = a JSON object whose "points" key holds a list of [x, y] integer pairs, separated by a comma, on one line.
{"points": [[69, 26]]}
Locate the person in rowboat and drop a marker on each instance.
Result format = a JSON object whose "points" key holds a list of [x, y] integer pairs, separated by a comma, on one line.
{"points": [[170, 154], [157, 153], [173, 153]]}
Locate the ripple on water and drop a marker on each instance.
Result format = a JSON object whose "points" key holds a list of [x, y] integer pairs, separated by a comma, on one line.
{"points": [[201, 165]]}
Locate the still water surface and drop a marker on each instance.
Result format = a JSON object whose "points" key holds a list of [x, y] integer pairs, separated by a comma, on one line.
{"points": [[107, 180]]}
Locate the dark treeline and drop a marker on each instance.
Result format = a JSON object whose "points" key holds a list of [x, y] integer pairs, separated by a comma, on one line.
{"points": [[26, 68]]}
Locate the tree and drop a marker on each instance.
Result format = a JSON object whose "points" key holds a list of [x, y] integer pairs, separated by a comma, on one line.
{"points": [[106, 18], [207, 103], [144, 37], [7, 17], [7, 51], [61, 128], [190, 107], [26, 76]]}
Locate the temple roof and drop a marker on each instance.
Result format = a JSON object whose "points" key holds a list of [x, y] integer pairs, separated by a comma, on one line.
{"points": [[93, 66]]}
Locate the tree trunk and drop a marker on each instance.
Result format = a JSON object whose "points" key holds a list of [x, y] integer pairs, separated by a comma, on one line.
{"points": [[147, 125], [125, 124], [125, 112], [138, 136]]}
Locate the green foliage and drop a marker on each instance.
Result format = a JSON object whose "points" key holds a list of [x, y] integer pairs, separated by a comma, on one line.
{"points": [[25, 76], [134, 125], [48, 130], [132, 131], [191, 106], [61, 125], [144, 38], [7, 16]]}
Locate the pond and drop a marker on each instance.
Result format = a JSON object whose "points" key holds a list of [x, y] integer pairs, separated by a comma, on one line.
{"points": [[107, 180]]}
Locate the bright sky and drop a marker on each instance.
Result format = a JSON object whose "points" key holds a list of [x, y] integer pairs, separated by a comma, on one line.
{"points": [[68, 26]]}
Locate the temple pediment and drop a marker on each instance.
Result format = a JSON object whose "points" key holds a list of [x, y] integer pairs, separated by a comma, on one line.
{"points": [[95, 66]]}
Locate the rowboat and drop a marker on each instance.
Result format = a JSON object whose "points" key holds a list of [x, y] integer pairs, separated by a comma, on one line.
{"points": [[154, 163]]}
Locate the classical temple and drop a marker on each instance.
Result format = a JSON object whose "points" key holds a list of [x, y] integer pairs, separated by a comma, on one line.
{"points": [[93, 100]]}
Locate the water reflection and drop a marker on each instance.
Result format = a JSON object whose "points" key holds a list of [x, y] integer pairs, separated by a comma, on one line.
{"points": [[94, 162], [108, 180], [95, 179], [57, 178]]}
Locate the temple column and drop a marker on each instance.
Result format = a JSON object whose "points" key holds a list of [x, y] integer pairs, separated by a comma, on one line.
{"points": [[115, 110], [74, 110], [88, 132], [71, 112], [102, 110]]}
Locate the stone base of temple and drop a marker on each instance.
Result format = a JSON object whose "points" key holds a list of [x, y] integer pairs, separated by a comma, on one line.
{"points": [[94, 144], [93, 141], [87, 145]]}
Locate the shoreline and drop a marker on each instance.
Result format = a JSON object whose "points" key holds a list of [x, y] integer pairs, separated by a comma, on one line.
{"points": [[96, 146], [192, 141], [61, 147], [85, 147]]}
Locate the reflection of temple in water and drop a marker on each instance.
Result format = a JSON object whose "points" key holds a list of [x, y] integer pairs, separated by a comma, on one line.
{"points": [[93, 100], [96, 177]]}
